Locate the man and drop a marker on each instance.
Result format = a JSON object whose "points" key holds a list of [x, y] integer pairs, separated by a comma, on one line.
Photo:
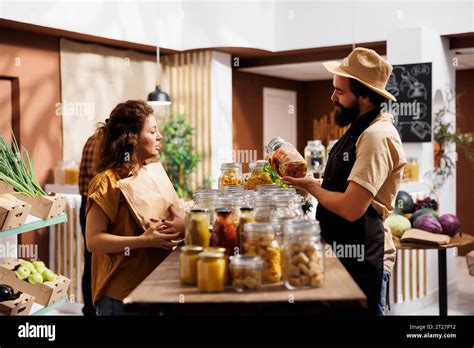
{"points": [[363, 171], [86, 173]]}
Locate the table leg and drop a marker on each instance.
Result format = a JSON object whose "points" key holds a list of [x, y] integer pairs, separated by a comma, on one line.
{"points": [[442, 283]]}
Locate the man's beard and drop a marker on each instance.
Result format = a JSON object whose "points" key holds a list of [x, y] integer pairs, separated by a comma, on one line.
{"points": [[346, 115]]}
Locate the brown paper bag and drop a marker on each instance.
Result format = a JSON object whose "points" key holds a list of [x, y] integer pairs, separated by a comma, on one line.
{"points": [[149, 194]]}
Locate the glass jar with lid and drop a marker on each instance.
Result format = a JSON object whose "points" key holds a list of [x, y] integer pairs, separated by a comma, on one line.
{"points": [[263, 208], [197, 227], [315, 155], [259, 240], [286, 206], [285, 159], [224, 232], [188, 264], [231, 175], [226, 258], [211, 272], [303, 255], [411, 170], [246, 216], [257, 175], [233, 203], [206, 199], [246, 272]]}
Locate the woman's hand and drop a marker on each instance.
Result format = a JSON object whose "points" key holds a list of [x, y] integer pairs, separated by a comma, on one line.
{"points": [[155, 236], [175, 224]]}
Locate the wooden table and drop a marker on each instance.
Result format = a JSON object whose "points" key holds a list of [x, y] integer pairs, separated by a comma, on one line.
{"points": [[161, 293], [456, 241]]}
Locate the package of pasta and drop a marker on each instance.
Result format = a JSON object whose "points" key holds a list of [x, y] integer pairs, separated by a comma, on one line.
{"points": [[285, 159], [149, 194]]}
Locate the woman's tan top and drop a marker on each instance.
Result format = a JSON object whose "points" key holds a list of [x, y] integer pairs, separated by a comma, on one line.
{"points": [[115, 275]]}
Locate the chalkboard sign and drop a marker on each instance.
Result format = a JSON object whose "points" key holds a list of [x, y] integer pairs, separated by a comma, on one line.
{"points": [[411, 85]]}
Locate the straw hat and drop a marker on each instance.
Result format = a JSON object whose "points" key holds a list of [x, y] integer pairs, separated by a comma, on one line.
{"points": [[365, 66]]}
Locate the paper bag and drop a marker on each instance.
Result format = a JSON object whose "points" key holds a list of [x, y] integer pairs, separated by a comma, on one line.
{"points": [[415, 235], [149, 194]]}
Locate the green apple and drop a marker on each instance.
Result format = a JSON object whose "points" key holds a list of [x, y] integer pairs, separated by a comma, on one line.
{"points": [[22, 273], [39, 265], [49, 275], [40, 269], [28, 265], [35, 278]]}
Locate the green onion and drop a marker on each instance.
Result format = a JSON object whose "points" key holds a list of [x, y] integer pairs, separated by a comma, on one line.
{"points": [[17, 169]]}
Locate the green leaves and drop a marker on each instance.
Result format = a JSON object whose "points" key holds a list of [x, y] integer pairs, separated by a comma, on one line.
{"points": [[178, 154], [273, 175], [18, 170]]}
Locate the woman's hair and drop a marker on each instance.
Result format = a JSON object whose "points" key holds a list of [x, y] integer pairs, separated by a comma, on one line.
{"points": [[119, 137]]}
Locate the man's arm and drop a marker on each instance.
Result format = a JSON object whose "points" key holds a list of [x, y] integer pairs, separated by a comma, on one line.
{"points": [[350, 205]]}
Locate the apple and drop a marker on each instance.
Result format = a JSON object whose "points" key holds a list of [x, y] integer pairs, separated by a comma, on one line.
{"points": [[28, 265], [39, 265], [35, 278], [40, 269], [22, 273], [49, 275]]}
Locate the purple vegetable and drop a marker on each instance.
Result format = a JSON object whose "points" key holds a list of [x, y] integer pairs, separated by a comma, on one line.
{"points": [[449, 223], [428, 223]]}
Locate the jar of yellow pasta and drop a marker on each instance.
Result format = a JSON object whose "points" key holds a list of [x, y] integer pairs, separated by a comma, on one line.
{"points": [[258, 176], [211, 272], [231, 175], [188, 260], [259, 240], [197, 228]]}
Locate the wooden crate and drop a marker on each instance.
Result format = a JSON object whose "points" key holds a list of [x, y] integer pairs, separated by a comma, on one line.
{"points": [[45, 207], [13, 214], [470, 262], [21, 306], [45, 294]]}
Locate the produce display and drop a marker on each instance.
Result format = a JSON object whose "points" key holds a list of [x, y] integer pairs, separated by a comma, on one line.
{"points": [[7, 293], [428, 223], [450, 224], [398, 224], [34, 272]]}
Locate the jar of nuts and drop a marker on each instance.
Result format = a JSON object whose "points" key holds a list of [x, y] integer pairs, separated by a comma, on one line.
{"points": [[246, 272], [259, 240], [303, 255]]}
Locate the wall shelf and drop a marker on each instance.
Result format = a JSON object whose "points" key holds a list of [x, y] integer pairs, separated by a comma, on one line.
{"points": [[34, 223]]}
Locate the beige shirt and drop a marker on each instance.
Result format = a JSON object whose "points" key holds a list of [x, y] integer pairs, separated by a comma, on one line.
{"points": [[378, 168]]}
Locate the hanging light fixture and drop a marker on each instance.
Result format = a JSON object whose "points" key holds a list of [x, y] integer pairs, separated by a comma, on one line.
{"points": [[158, 97]]}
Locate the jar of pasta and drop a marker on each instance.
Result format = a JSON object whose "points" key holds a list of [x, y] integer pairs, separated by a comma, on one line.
{"points": [[211, 272], [259, 240], [231, 175], [303, 255], [197, 228], [188, 264], [246, 272], [285, 159], [257, 175]]}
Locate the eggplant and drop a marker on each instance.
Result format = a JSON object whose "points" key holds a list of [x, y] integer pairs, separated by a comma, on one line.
{"points": [[7, 294]]}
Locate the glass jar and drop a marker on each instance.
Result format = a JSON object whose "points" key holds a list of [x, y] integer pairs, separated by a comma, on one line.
{"points": [[257, 175], [211, 272], [315, 155], [231, 175], [411, 170], [197, 228], [224, 232], [265, 188], [303, 255], [226, 258], [259, 240], [285, 159], [246, 216], [71, 173], [206, 199], [286, 206], [233, 203], [263, 208], [246, 272], [188, 264]]}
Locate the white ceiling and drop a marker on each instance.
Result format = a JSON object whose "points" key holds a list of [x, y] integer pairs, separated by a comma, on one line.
{"points": [[314, 71]]}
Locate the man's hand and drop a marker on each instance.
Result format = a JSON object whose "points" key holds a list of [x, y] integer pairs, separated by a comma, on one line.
{"points": [[308, 183]]}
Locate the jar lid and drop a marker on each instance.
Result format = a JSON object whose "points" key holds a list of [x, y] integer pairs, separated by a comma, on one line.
{"points": [[297, 227], [197, 210], [257, 164], [215, 250], [223, 211], [266, 187], [211, 255], [246, 261], [283, 198], [274, 144], [246, 208], [314, 142], [259, 227], [232, 165], [192, 248]]}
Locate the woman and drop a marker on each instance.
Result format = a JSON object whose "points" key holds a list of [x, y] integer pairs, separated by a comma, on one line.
{"points": [[122, 254]]}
